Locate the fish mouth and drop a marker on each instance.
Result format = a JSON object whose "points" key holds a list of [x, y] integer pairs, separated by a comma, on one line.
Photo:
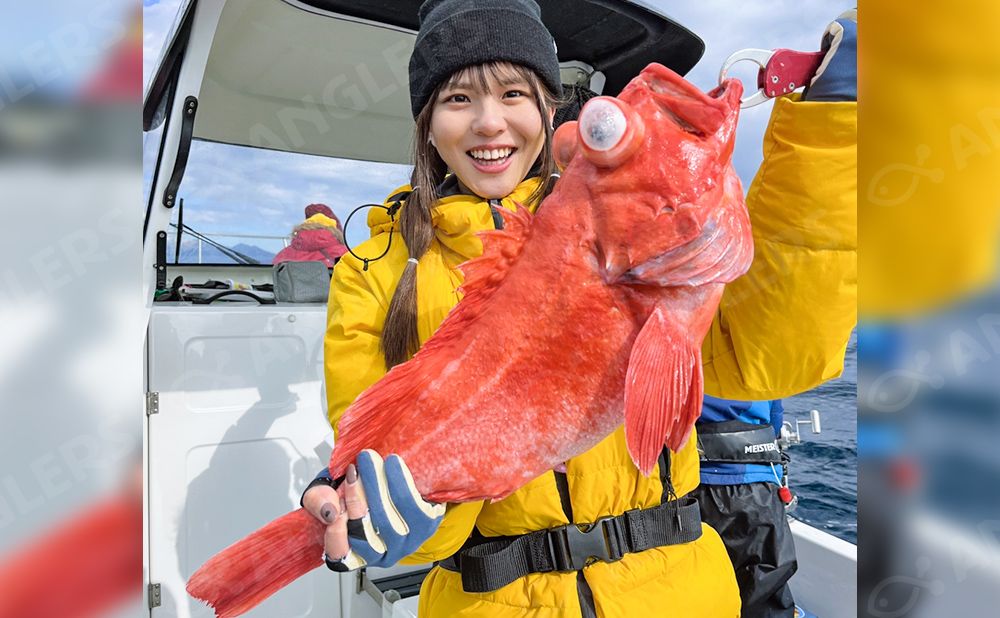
{"points": [[693, 110]]}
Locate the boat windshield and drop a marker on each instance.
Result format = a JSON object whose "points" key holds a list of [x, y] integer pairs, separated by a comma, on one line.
{"points": [[247, 200]]}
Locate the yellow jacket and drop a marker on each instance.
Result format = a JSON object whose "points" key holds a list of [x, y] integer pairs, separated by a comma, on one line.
{"points": [[783, 328], [930, 202], [695, 579]]}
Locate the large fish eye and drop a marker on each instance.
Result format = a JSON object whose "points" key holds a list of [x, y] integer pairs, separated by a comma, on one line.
{"points": [[602, 124], [610, 131]]}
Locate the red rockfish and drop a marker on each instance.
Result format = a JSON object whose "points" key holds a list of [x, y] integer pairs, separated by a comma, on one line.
{"points": [[587, 315]]}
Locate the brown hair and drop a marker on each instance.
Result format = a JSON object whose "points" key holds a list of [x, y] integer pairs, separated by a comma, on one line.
{"points": [[399, 335]]}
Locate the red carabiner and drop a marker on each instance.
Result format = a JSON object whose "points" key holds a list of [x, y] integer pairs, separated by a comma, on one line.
{"points": [[787, 70], [781, 71]]}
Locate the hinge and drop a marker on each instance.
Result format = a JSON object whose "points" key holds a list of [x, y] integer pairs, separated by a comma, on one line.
{"points": [[161, 260], [154, 595], [152, 403]]}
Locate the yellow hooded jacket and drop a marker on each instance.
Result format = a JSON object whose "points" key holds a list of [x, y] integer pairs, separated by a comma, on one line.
{"points": [[695, 579]]}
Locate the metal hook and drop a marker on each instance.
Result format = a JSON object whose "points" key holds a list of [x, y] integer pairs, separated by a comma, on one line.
{"points": [[760, 57]]}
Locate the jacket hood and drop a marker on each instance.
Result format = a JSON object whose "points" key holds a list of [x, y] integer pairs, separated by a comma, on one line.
{"points": [[317, 238], [454, 216], [320, 220]]}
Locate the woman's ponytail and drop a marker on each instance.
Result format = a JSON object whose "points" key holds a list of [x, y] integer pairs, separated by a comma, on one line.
{"points": [[400, 339]]}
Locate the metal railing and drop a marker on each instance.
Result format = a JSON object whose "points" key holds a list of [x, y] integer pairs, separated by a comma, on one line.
{"points": [[186, 237]]}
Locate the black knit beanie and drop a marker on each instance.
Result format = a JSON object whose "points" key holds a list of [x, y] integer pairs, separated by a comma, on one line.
{"points": [[455, 34]]}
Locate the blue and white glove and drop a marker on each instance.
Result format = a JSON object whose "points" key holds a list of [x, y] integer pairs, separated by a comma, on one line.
{"points": [[837, 77], [397, 520]]}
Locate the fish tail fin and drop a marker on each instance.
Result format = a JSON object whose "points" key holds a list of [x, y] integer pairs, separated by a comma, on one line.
{"points": [[240, 577], [663, 390]]}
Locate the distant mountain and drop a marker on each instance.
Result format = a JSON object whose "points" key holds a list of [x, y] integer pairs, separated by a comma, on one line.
{"points": [[211, 255], [261, 255]]}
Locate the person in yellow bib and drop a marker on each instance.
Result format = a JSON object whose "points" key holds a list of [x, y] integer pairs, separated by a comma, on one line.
{"points": [[484, 84], [744, 474], [318, 238]]}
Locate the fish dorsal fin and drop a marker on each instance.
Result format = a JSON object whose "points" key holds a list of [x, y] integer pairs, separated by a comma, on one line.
{"points": [[483, 276], [376, 410], [501, 248], [384, 405]]}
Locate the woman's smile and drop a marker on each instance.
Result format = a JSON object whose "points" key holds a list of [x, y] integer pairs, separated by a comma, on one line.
{"points": [[491, 158]]}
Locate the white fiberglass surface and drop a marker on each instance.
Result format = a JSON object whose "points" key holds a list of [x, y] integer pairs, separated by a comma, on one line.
{"points": [[232, 489], [227, 373], [240, 431], [826, 580], [285, 78]]}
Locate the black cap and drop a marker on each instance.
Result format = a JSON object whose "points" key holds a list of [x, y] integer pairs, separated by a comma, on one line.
{"points": [[455, 34]]}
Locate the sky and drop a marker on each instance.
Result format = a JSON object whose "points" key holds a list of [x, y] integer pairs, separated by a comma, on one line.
{"points": [[246, 191]]}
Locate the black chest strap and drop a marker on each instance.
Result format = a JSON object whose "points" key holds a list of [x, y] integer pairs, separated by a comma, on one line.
{"points": [[495, 207], [490, 563]]}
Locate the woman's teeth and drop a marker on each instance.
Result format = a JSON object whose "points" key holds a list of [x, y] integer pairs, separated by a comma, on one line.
{"points": [[496, 155]]}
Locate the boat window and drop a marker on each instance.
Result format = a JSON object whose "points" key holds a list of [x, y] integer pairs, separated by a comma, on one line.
{"points": [[241, 203]]}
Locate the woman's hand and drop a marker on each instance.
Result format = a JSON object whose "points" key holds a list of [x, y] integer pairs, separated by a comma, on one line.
{"points": [[376, 517]]}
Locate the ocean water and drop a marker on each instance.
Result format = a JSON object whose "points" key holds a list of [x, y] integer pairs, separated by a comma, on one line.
{"points": [[823, 471]]}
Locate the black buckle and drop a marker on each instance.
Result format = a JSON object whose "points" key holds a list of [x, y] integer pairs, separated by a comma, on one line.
{"points": [[573, 548]]}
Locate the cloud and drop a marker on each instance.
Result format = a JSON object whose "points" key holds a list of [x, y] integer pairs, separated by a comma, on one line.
{"points": [[242, 190]]}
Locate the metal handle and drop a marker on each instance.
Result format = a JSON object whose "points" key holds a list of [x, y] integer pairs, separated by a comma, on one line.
{"points": [[816, 426], [792, 434]]}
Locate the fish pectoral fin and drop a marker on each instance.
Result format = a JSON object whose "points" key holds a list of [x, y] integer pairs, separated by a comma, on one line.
{"points": [[663, 389]]}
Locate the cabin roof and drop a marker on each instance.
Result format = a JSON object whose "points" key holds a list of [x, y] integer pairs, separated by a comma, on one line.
{"points": [[616, 37], [328, 77]]}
